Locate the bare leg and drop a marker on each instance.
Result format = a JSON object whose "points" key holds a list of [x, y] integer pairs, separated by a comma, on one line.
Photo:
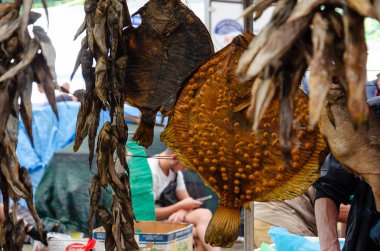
{"points": [[200, 218]]}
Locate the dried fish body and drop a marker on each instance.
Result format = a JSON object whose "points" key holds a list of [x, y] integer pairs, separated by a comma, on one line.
{"points": [[26, 181], [107, 222], [210, 134], [169, 37], [94, 191], [355, 60], [357, 149], [99, 30]]}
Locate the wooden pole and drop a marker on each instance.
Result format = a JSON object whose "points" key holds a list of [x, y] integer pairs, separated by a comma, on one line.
{"points": [[248, 228], [248, 20]]}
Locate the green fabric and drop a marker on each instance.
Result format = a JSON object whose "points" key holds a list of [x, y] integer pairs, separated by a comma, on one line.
{"points": [[141, 183], [62, 196]]}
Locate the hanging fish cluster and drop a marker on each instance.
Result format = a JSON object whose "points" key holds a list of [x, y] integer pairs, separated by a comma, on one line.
{"points": [[23, 60], [329, 37], [143, 66], [210, 133], [325, 35], [170, 42], [105, 87]]}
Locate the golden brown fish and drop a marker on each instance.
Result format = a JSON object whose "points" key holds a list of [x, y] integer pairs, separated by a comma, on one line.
{"points": [[209, 132]]}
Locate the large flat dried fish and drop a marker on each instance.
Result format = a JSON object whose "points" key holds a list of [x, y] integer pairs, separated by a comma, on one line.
{"points": [[170, 37], [209, 132]]}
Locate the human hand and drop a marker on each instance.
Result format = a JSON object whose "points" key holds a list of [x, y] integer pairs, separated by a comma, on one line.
{"points": [[189, 203], [178, 216], [34, 234]]}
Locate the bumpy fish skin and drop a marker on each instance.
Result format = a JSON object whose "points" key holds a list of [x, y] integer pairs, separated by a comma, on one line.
{"points": [[210, 133], [169, 37]]}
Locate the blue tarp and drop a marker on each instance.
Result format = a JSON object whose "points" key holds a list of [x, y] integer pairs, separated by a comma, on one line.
{"points": [[51, 135]]}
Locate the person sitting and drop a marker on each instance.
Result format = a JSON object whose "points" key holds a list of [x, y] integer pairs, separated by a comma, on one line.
{"points": [[172, 199]]}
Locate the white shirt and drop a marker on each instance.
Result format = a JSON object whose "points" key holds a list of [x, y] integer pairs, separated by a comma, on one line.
{"points": [[161, 181]]}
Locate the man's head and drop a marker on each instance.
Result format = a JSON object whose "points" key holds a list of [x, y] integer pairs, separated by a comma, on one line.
{"points": [[378, 81], [172, 161]]}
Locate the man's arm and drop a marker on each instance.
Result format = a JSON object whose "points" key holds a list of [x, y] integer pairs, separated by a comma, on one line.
{"points": [[185, 204], [326, 216]]}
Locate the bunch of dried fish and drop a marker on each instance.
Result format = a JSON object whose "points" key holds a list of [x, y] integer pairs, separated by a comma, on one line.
{"points": [[162, 51], [105, 88], [210, 133], [327, 36], [22, 60], [134, 65]]}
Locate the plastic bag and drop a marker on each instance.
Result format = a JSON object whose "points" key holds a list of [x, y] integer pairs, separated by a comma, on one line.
{"points": [[286, 241]]}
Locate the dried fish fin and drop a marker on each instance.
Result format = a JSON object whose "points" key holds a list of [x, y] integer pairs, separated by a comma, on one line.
{"points": [[223, 229], [45, 5], [144, 132], [81, 29], [84, 46], [355, 66]]}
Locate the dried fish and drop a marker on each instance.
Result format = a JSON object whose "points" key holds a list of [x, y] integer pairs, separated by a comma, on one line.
{"points": [[170, 36], [94, 191], [213, 137], [355, 60]]}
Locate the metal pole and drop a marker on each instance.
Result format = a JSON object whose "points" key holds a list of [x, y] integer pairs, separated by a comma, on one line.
{"points": [[249, 228], [248, 20]]}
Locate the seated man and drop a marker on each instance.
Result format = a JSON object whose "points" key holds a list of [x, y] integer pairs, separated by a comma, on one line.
{"points": [[167, 179]]}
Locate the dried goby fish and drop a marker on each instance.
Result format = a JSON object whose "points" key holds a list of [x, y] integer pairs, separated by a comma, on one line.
{"points": [[210, 134]]}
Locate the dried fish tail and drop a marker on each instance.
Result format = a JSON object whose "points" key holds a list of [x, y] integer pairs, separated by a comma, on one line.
{"points": [[223, 229]]}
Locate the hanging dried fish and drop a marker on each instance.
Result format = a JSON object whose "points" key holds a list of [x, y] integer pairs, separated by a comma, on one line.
{"points": [[170, 37], [23, 59], [357, 149], [210, 134], [355, 60]]}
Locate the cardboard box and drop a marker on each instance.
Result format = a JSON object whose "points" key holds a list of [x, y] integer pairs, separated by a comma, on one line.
{"points": [[157, 236]]}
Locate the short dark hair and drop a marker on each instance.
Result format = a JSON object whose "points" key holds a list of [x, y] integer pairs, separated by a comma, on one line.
{"points": [[79, 94]]}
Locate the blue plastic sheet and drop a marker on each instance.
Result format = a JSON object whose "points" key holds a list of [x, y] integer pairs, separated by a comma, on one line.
{"points": [[286, 241]]}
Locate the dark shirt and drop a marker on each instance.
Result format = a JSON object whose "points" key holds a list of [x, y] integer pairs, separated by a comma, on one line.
{"points": [[63, 98], [363, 231]]}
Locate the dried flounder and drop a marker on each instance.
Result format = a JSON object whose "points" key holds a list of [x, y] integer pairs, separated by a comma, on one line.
{"points": [[162, 51], [211, 135]]}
